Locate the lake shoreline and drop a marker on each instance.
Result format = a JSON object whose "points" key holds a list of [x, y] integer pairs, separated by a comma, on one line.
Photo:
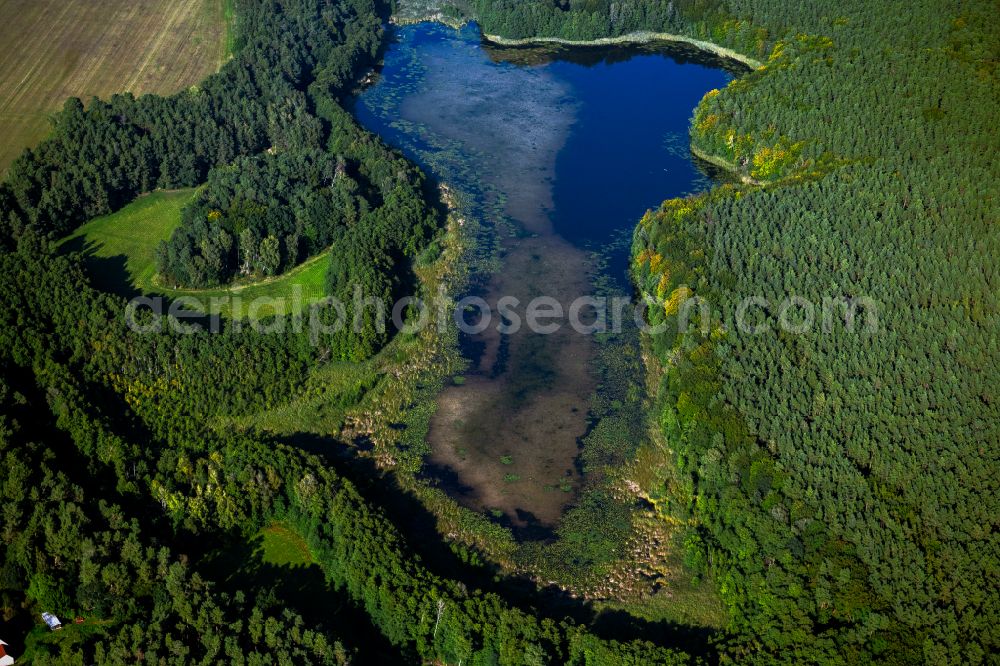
{"points": [[723, 164], [639, 37], [630, 38]]}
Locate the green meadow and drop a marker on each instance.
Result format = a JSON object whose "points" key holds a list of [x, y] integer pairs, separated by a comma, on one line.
{"points": [[120, 251], [283, 547], [127, 240]]}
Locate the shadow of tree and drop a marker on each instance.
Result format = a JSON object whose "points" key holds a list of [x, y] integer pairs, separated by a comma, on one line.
{"points": [[419, 526], [239, 566], [108, 274]]}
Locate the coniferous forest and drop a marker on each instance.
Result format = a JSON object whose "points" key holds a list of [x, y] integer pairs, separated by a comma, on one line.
{"points": [[843, 486]]}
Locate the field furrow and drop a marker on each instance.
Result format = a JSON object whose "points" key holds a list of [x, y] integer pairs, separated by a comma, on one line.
{"points": [[55, 49]]}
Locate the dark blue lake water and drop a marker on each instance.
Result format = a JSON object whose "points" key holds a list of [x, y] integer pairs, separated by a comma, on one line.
{"points": [[555, 154], [627, 151]]}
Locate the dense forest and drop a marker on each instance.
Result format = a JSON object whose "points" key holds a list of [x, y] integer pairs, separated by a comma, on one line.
{"points": [[594, 19], [73, 540], [843, 483], [261, 214]]}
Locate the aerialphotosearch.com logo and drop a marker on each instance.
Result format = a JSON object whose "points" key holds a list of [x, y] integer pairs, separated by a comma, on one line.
{"points": [[508, 315]]}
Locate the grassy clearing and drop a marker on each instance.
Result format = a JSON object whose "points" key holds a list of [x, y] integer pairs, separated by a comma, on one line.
{"points": [[322, 407], [55, 49], [121, 258], [685, 603], [121, 247], [229, 16], [284, 294], [283, 547]]}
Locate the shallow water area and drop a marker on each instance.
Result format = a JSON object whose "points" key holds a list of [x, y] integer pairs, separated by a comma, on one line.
{"points": [[557, 152]]}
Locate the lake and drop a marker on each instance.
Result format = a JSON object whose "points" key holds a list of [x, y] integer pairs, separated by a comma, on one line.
{"points": [[555, 154]]}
